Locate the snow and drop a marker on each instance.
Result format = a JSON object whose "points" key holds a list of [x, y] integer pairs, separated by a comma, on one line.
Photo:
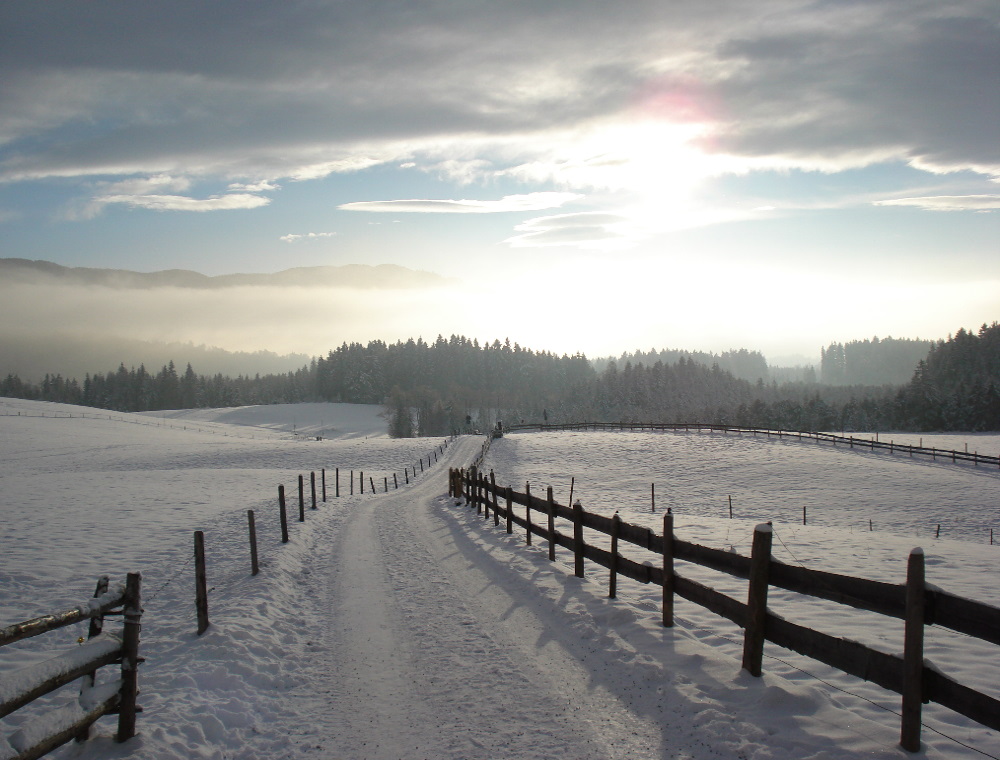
{"points": [[401, 625]]}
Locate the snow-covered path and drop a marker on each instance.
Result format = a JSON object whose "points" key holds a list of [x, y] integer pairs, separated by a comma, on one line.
{"points": [[424, 656]]}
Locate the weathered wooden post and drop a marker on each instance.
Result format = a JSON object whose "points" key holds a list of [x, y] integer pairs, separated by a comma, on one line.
{"points": [[312, 487], [130, 657], [386, 483], [550, 508], [324, 485], [760, 560], [361, 480], [616, 525], [302, 501], [803, 514], [669, 580], [510, 512], [352, 483], [472, 487], [371, 482], [652, 497], [406, 475], [200, 582], [913, 652], [493, 486], [395, 481], [578, 539], [336, 483], [283, 514], [484, 495], [254, 569], [730, 506], [527, 491]]}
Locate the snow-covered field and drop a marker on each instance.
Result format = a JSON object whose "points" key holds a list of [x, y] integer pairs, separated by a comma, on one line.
{"points": [[400, 625]]}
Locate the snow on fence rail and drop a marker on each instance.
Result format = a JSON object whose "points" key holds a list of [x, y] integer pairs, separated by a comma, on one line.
{"points": [[24, 686], [946, 454], [914, 602]]}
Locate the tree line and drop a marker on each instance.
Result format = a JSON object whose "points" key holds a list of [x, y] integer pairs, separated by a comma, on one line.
{"points": [[458, 384]]}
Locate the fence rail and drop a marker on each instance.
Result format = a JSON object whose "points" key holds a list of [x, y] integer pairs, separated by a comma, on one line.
{"points": [[28, 684], [946, 454], [916, 603]]}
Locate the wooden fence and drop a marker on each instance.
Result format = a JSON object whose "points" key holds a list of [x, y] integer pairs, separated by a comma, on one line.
{"points": [[862, 443], [28, 684], [914, 602]]}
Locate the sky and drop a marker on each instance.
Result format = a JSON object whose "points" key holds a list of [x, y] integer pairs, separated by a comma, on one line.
{"points": [[586, 176]]}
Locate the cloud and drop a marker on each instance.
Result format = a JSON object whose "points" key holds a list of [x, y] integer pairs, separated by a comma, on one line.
{"points": [[948, 202], [256, 187], [303, 90], [182, 203], [591, 230], [294, 237], [528, 202]]}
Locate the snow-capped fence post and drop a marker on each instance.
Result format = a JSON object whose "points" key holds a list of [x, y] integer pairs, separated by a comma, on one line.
{"points": [[283, 514], [913, 653], [578, 544], [200, 582], [669, 580], [550, 509], [616, 525], [251, 526], [130, 657], [756, 613], [312, 487]]}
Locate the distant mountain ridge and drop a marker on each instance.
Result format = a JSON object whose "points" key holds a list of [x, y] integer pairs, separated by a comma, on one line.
{"points": [[28, 271]]}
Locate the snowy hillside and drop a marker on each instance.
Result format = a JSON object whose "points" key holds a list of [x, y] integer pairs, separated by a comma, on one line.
{"points": [[398, 625]]}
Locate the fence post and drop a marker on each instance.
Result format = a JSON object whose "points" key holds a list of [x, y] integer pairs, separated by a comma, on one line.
{"points": [[336, 476], [578, 539], [527, 491], [395, 481], [371, 482], [485, 496], [95, 628], [406, 475], [312, 487], [130, 657], [386, 483], [473, 488], [283, 514], [254, 569], [493, 487], [510, 510], [361, 480], [760, 560], [302, 501], [200, 582], [324, 485], [550, 508], [616, 523], [669, 581], [652, 497], [913, 652]]}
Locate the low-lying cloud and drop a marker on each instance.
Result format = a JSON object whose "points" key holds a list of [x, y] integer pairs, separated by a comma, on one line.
{"points": [[509, 203]]}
